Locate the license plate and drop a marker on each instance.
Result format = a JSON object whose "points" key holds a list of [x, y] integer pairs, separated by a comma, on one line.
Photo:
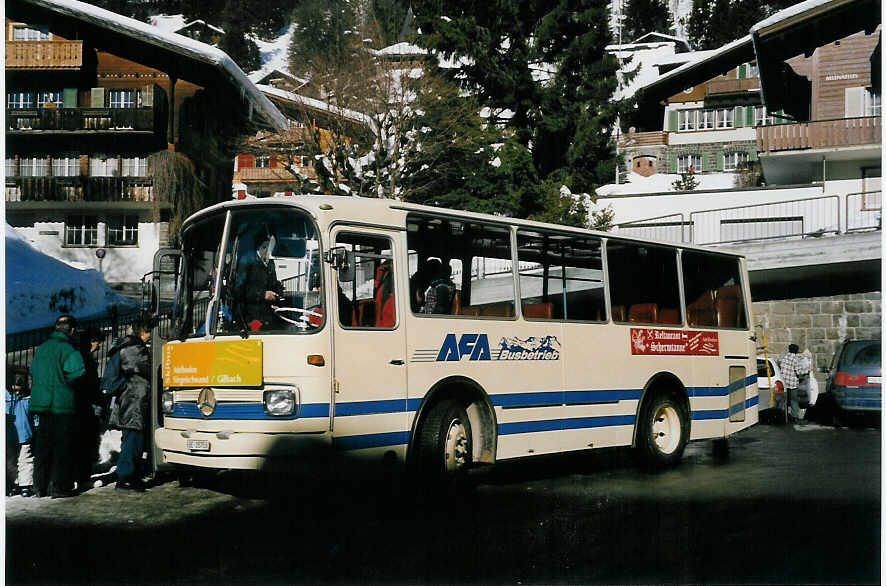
{"points": [[198, 445], [874, 380]]}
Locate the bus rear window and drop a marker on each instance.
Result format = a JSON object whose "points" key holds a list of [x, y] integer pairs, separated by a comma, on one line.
{"points": [[712, 283]]}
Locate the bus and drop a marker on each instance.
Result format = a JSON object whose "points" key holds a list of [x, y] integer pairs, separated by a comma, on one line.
{"points": [[304, 329]]}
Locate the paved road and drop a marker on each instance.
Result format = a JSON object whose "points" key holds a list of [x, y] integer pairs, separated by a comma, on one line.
{"points": [[791, 505]]}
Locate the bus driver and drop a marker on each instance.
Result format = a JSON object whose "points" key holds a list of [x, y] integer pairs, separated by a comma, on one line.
{"points": [[259, 288]]}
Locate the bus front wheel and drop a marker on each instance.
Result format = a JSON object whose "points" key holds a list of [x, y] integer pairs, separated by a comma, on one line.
{"points": [[664, 431], [445, 442]]}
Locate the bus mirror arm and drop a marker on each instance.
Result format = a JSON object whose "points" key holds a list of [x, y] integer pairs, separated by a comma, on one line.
{"points": [[343, 261]]}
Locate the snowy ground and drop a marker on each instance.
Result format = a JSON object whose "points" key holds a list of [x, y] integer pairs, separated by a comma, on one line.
{"points": [[39, 288]]}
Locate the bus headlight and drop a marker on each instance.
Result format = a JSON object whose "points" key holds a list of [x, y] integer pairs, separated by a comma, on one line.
{"points": [[167, 401], [279, 402]]}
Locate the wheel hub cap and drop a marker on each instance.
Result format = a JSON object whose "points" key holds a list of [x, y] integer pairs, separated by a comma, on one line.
{"points": [[456, 454]]}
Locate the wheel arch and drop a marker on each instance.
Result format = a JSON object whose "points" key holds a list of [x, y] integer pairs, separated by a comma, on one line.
{"points": [[662, 382], [476, 403]]}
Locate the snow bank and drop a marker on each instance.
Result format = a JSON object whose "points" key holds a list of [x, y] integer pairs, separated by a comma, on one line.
{"points": [[39, 288], [663, 182]]}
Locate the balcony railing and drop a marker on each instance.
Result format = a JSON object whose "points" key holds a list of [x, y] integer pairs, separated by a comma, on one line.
{"points": [[819, 134], [44, 54], [80, 119], [799, 218], [265, 174], [732, 86], [61, 189], [637, 139]]}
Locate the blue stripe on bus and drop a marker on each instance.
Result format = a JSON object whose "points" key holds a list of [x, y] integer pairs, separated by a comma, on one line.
{"points": [[721, 391], [371, 440], [370, 407], [561, 424], [190, 410]]}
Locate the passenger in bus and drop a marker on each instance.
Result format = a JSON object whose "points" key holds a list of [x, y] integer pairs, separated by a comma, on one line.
{"points": [[418, 284], [441, 290], [258, 286]]}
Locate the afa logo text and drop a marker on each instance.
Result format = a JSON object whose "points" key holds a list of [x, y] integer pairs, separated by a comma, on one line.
{"points": [[476, 347]]}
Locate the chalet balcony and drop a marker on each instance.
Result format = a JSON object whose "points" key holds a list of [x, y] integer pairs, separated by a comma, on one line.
{"points": [[732, 86], [79, 120], [817, 134], [81, 188], [272, 174], [640, 139], [44, 54]]}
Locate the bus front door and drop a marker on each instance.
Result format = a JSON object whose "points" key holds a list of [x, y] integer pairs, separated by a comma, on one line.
{"points": [[369, 410]]}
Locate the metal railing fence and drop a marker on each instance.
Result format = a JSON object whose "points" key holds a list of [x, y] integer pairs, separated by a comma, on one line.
{"points": [[798, 218]]}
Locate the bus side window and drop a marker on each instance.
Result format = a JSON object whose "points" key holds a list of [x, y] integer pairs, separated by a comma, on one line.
{"points": [[712, 284], [369, 300]]}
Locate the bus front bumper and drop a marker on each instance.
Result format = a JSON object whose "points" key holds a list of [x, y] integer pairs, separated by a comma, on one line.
{"points": [[242, 450]]}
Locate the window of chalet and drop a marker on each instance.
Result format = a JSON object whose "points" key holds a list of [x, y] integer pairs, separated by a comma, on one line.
{"points": [[68, 166], [123, 230], [34, 167], [19, 100], [733, 160], [135, 167], [121, 98], [725, 118], [23, 32], [706, 119], [51, 98], [11, 167], [263, 161], [103, 166], [871, 103], [690, 163], [81, 230]]}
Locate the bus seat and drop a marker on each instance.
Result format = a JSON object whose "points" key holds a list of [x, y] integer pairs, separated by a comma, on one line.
{"points": [[643, 313], [669, 315], [701, 311], [728, 306], [456, 303], [384, 296], [364, 313], [618, 313], [504, 309], [469, 310], [539, 310]]}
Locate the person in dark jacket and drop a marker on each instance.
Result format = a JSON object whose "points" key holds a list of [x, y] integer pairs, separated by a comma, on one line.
{"points": [[257, 286], [89, 405], [130, 410], [55, 367]]}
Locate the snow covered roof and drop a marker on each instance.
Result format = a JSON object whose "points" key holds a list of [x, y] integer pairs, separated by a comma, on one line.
{"points": [[798, 11], [203, 23], [274, 55], [194, 53], [320, 105], [400, 49], [652, 37]]}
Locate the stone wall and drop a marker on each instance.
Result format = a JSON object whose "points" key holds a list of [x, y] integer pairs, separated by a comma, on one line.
{"points": [[820, 324]]}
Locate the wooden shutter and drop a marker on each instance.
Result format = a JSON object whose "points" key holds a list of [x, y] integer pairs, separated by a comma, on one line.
{"points": [[673, 165], [737, 116], [742, 71], [752, 155], [721, 163], [672, 120], [750, 115]]}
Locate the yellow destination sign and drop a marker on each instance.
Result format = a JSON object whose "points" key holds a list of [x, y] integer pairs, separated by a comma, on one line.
{"points": [[229, 363]]}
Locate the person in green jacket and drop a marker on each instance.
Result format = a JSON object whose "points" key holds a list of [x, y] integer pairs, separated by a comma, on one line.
{"points": [[56, 365]]}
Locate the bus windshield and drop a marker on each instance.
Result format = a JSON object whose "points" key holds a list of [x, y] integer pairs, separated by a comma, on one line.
{"points": [[268, 279]]}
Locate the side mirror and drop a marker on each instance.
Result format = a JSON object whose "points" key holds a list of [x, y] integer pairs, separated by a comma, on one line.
{"points": [[344, 261]]}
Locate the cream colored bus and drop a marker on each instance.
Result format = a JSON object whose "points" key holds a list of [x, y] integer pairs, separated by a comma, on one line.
{"points": [[329, 325]]}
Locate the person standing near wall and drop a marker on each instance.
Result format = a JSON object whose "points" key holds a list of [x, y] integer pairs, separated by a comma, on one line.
{"points": [[793, 366], [57, 364]]}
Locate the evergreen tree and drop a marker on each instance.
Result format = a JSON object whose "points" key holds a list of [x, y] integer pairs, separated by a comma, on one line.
{"points": [[714, 24], [325, 37], [393, 19], [645, 16], [542, 71]]}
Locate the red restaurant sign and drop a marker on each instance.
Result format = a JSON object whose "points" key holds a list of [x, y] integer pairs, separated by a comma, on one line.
{"points": [[654, 341]]}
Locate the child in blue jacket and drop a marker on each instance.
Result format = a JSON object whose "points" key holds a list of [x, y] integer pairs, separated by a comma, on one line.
{"points": [[19, 430]]}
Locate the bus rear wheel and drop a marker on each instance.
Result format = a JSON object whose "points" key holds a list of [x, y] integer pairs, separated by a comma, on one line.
{"points": [[445, 443], [663, 432]]}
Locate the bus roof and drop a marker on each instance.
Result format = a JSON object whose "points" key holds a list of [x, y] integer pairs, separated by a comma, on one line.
{"points": [[329, 209]]}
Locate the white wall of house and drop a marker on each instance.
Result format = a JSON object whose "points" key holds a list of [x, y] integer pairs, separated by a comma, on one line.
{"points": [[122, 264]]}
